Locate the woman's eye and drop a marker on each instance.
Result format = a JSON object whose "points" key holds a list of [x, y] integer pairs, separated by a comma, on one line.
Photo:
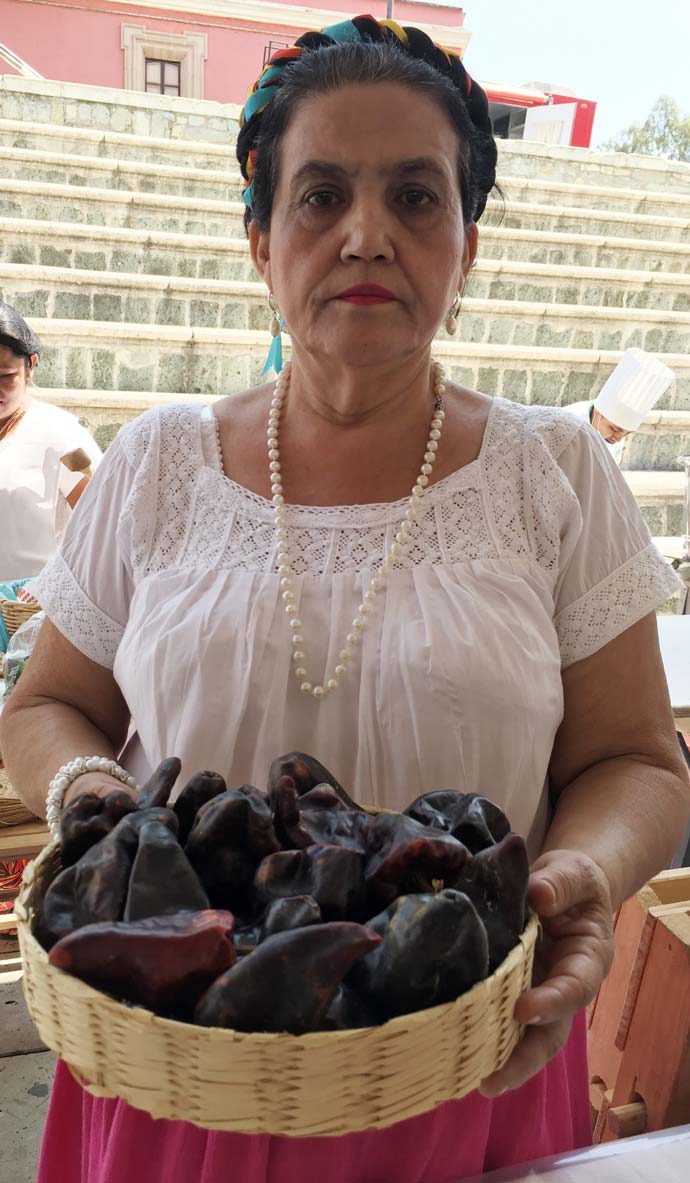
{"points": [[417, 197], [321, 198]]}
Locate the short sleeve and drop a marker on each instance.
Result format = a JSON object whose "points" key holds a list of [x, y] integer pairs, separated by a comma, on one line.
{"points": [[79, 438], [610, 572], [86, 587]]}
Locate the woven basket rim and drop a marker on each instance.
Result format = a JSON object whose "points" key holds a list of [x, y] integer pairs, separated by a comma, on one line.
{"points": [[139, 1014]]}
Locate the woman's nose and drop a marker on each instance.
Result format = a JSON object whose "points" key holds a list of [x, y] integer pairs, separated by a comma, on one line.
{"points": [[367, 234]]}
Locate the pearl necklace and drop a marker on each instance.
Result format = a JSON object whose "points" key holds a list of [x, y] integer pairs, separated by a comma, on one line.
{"points": [[401, 538]]}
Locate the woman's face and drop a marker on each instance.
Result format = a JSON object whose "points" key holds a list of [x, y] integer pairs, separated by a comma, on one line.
{"points": [[13, 380], [368, 195]]}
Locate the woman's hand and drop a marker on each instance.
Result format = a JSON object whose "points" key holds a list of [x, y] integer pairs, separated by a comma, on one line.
{"points": [[570, 894], [99, 783]]}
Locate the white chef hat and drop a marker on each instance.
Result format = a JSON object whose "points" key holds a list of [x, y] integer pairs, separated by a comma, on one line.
{"points": [[634, 387]]}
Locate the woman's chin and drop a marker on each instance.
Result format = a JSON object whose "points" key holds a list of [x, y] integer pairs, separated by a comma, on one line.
{"points": [[362, 350]]}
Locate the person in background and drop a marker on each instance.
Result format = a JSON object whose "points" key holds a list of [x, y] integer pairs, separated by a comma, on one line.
{"points": [[633, 389], [37, 490]]}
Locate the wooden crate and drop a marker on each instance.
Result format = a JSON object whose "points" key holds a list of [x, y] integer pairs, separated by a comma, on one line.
{"points": [[639, 1025]]}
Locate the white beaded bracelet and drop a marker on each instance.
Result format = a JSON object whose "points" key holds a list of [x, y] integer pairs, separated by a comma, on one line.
{"points": [[69, 772]]}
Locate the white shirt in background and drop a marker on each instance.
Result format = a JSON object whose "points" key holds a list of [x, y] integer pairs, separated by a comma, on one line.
{"points": [[583, 411], [34, 486]]}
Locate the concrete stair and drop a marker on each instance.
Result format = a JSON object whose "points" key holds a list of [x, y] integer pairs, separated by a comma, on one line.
{"points": [[121, 238]]}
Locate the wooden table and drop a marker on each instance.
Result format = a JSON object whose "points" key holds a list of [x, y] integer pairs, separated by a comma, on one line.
{"points": [[23, 841]]}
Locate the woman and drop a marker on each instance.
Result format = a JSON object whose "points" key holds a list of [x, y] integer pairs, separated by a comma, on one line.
{"points": [[235, 604], [37, 490]]}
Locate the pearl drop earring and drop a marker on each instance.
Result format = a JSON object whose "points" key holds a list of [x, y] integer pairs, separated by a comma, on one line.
{"points": [[451, 321]]}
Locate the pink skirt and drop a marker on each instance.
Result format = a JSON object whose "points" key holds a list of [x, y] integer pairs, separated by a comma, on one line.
{"points": [[106, 1141]]}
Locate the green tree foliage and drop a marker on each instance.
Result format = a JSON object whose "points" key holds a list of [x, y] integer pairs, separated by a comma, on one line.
{"points": [[665, 132]]}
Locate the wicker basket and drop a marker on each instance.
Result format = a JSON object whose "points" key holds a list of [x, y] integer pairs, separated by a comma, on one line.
{"points": [[16, 612], [326, 1083]]}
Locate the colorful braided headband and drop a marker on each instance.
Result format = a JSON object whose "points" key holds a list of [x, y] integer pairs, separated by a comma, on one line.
{"points": [[359, 29]]}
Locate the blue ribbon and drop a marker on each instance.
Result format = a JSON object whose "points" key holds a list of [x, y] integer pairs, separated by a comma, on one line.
{"points": [[248, 195], [343, 31], [258, 100], [274, 361]]}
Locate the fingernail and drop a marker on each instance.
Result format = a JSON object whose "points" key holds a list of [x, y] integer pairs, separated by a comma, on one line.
{"points": [[534, 1022]]}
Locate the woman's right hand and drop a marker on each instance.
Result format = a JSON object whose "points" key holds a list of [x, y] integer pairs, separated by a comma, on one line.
{"points": [[99, 783]]}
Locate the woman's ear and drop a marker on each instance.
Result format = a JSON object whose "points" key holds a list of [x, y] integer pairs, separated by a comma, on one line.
{"points": [[469, 251], [32, 363], [259, 250]]}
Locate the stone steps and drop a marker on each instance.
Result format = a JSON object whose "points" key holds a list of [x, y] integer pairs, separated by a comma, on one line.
{"points": [[617, 170], [161, 358], [573, 220], [102, 248], [93, 206], [65, 293], [72, 104], [209, 155], [663, 437], [605, 286], [596, 197], [87, 141], [108, 172], [661, 497]]}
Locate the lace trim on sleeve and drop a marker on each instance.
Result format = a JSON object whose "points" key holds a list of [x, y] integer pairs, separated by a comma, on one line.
{"points": [[619, 601], [65, 603]]}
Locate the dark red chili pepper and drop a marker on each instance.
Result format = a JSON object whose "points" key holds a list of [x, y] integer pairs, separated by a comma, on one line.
{"points": [[162, 880], [87, 819], [307, 773], [405, 856], [160, 784], [230, 836], [292, 912], [288, 982], [331, 875], [202, 787], [472, 819], [164, 963], [434, 948], [496, 882]]}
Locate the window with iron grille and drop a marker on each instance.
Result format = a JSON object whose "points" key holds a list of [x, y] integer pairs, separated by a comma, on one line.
{"points": [[162, 77], [273, 47]]}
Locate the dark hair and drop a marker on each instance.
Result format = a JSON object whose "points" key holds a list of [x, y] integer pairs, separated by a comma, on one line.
{"points": [[16, 335], [419, 65]]}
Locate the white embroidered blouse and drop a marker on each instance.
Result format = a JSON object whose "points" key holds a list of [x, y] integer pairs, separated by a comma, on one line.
{"points": [[526, 560]]}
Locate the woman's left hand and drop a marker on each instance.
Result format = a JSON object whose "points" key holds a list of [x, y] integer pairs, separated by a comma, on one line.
{"points": [[570, 894]]}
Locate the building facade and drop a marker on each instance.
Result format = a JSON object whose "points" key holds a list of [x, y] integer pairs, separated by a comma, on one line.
{"points": [[214, 49]]}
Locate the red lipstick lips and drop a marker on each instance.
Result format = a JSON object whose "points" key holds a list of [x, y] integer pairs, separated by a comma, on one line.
{"points": [[367, 293]]}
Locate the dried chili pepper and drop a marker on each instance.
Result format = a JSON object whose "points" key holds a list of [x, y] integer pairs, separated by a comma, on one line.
{"points": [[202, 787], [319, 817], [288, 982], [434, 948], [162, 880], [163, 963], [292, 912], [307, 773], [87, 819], [331, 875], [496, 881], [405, 856], [160, 784], [230, 836], [347, 1010], [472, 819]]}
